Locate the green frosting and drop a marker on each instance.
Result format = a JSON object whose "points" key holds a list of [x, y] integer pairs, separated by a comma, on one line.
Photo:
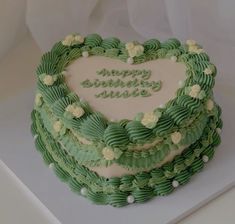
{"points": [[152, 44], [93, 40], [110, 43], [94, 127], [116, 136]]}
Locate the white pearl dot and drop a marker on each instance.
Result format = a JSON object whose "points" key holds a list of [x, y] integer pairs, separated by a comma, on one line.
{"points": [[174, 58], [181, 83], [205, 159], [64, 73], [83, 191], [35, 137], [130, 60], [130, 199], [218, 130], [161, 105], [51, 166], [175, 183], [85, 54]]}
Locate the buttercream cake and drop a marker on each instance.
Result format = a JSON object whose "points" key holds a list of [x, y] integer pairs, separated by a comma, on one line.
{"points": [[125, 122]]}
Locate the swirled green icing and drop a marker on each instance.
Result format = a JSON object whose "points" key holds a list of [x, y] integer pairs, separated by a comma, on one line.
{"points": [[47, 68], [112, 53], [183, 57], [59, 49], [163, 188], [74, 54], [61, 173], [193, 104], [173, 52], [138, 132], [98, 197], [98, 50], [164, 125], [93, 40], [94, 126], [109, 43], [151, 55], [161, 53], [171, 43], [74, 185], [47, 158], [178, 113], [199, 57], [143, 195], [208, 151], [207, 80], [50, 57], [201, 65], [58, 107], [54, 93], [40, 146], [115, 135], [152, 44], [216, 139], [197, 165], [183, 177], [118, 199]]}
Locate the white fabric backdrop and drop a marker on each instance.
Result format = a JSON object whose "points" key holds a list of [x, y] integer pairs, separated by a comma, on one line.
{"points": [[12, 24], [210, 22]]}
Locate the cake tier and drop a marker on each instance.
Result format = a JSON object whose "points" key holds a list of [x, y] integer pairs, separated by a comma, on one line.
{"points": [[119, 191]]}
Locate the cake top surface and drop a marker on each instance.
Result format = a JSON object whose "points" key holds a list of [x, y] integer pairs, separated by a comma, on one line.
{"points": [[89, 79]]}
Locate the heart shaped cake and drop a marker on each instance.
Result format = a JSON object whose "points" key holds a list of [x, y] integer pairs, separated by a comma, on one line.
{"points": [[125, 122]]}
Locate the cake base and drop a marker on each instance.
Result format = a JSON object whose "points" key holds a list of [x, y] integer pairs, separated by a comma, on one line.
{"points": [[216, 177]]}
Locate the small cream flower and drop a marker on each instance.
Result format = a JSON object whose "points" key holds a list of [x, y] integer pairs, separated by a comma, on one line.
{"points": [[199, 51], [68, 40], [209, 104], [71, 40], [129, 45], [195, 90], [207, 71], [134, 49], [195, 49], [38, 99], [191, 42], [176, 137], [149, 118], [173, 58], [78, 112], [69, 108], [139, 49], [57, 126], [108, 153], [48, 80], [79, 38]]}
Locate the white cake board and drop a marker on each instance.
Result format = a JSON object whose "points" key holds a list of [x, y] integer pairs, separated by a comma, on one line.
{"points": [[17, 150]]}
